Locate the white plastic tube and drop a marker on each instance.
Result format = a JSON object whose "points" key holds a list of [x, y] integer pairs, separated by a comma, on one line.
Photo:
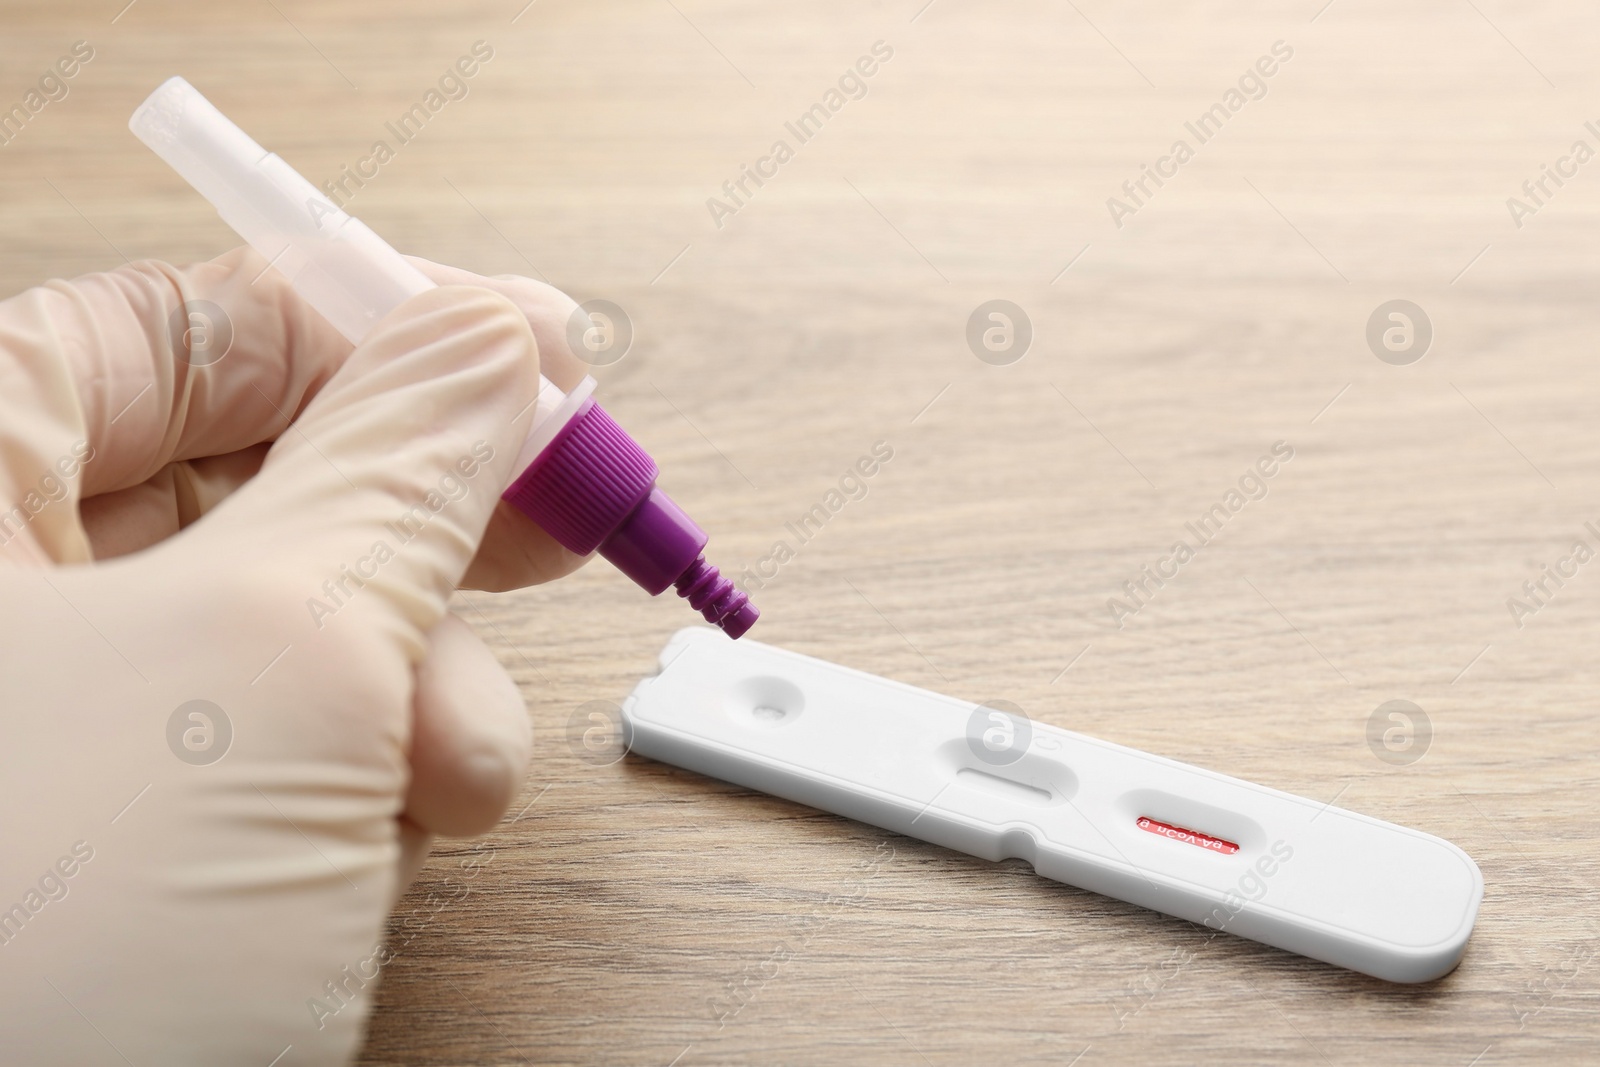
{"points": [[349, 274]]}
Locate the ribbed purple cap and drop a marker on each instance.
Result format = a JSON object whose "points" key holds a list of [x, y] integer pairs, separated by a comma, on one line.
{"points": [[586, 481]]}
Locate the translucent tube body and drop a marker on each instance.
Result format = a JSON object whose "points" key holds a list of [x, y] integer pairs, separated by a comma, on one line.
{"points": [[334, 261]]}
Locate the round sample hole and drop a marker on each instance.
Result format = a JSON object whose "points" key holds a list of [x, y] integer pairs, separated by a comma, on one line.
{"points": [[766, 702]]}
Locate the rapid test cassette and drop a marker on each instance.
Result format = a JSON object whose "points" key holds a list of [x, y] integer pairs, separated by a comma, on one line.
{"points": [[1294, 873]]}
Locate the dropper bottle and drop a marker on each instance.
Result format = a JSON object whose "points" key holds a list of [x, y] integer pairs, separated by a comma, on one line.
{"points": [[581, 477]]}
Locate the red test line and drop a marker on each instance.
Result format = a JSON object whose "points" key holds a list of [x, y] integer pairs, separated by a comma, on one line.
{"points": [[1188, 837]]}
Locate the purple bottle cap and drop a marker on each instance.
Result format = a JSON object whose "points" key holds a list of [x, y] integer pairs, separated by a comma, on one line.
{"points": [[593, 488]]}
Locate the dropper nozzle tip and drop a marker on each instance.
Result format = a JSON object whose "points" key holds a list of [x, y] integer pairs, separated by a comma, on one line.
{"points": [[739, 622], [716, 599]]}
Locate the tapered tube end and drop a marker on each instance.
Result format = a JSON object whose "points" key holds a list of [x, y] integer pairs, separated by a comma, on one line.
{"points": [[717, 599], [739, 622]]}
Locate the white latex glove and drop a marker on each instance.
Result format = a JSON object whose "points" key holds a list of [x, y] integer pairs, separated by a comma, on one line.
{"points": [[161, 905]]}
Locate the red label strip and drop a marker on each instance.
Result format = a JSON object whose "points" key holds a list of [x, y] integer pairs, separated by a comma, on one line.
{"points": [[1188, 837]]}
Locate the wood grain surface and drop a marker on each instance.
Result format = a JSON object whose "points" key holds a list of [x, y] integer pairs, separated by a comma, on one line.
{"points": [[630, 913]]}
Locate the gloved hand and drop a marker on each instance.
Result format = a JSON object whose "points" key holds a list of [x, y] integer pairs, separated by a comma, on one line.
{"points": [[235, 705]]}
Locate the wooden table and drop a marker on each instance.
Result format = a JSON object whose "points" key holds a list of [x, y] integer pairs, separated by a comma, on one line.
{"points": [[628, 905]]}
